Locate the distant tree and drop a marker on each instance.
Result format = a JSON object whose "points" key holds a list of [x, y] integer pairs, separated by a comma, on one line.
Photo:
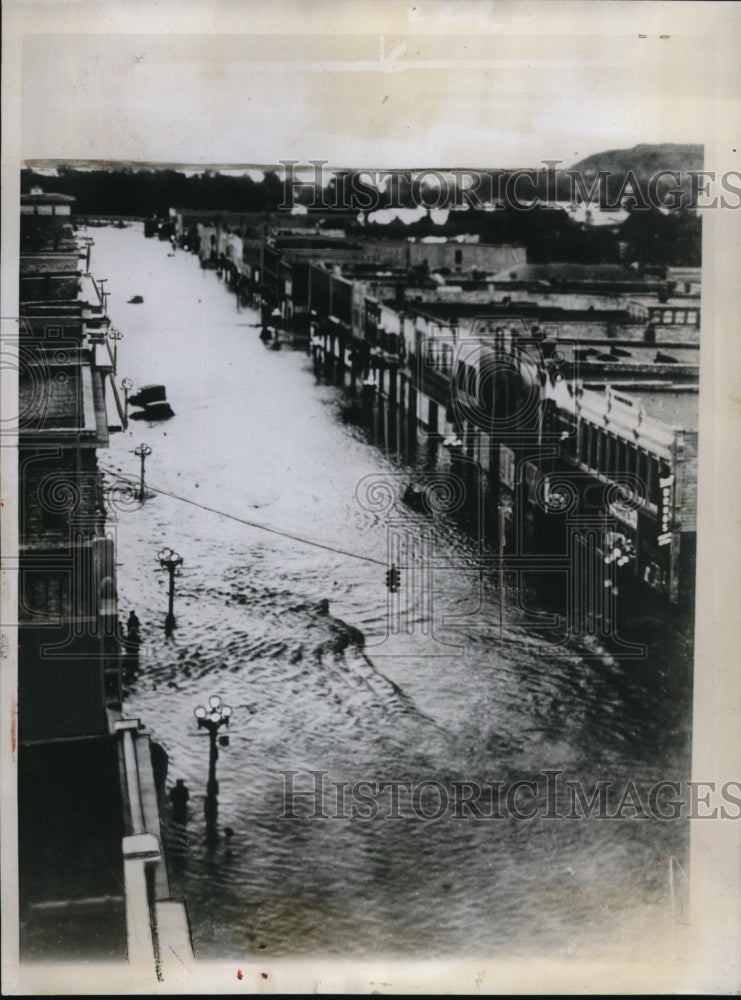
{"points": [[656, 238]]}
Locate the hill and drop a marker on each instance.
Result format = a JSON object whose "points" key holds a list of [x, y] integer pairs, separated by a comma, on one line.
{"points": [[645, 160]]}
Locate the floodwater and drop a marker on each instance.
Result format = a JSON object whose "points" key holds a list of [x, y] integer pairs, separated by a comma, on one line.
{"points": [[258, 443]]}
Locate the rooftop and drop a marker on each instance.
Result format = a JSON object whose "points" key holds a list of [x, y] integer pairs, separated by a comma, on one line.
{"points": [[628, 353], [684, 272], [684, 302], [676, 406], [50, 263], [46, 197], [502, 312], [60, 401], [70, 865], [314, 241], [568, 272]]}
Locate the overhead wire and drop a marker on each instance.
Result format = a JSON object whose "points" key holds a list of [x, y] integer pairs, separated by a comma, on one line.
{"points": [[252, 524]]}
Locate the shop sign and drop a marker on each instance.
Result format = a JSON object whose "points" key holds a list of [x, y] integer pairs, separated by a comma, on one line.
{"points": [[507, 466], [531, 474], [666, 502]]}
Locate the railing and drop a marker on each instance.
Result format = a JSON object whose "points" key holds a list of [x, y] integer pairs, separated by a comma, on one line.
{"points": [[155, 928], [141, 927], [117, 399]]}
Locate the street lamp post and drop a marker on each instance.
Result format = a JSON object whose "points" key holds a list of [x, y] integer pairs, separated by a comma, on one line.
{"points": [[212, 719], [115, 335], [89, 242], [170, 561], [103, 297], [126, 385], [142, 451]]}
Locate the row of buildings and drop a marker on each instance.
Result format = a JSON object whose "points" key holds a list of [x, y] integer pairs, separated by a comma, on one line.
{"points": [[93, 880], [564, 396]]}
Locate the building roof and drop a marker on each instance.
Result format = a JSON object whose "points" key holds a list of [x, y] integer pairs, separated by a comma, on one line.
{"points": [[49, 263], [676, 406], [689, 301], [71, 812], [694, 273], [566, 271], [46, 198], [504, 313], [611, 353], [314, 241], [61, 402]]}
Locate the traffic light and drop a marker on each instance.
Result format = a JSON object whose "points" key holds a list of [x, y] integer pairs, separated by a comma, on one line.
{"points": [[392, 579]]}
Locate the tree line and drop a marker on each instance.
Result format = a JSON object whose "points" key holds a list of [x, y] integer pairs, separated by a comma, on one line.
{"points": [[648, 236]]}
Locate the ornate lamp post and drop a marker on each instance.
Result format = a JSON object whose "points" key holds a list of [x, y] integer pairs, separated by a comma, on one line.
{"points": [[212, 719], [126, 385], [170, 561], [115, 335], [142, 451]]}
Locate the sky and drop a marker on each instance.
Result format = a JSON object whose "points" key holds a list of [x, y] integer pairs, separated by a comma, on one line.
{"points": [[428, 85]]}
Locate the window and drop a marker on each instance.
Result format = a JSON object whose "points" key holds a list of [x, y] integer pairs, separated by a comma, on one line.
{"points": [[459, 256], [631, 459], [652, 480], [592, 435], [622, 463], [606, 452], [642, 473], [487, 394], [45, 593]]}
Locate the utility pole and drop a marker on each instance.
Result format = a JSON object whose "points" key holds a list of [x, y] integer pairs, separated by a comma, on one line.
{"points": [[115, 335], [89, 242], [126, 385]]}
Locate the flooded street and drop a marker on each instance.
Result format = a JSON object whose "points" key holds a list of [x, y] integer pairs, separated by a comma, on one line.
{"points": [[257, 457]]}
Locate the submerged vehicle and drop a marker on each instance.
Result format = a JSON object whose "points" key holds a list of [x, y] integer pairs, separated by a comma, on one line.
{"points": [[153, 400], [154, 411], [148, 394]]}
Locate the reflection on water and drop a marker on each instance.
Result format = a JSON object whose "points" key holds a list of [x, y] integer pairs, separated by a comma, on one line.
{"points": [[257, 439]]}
